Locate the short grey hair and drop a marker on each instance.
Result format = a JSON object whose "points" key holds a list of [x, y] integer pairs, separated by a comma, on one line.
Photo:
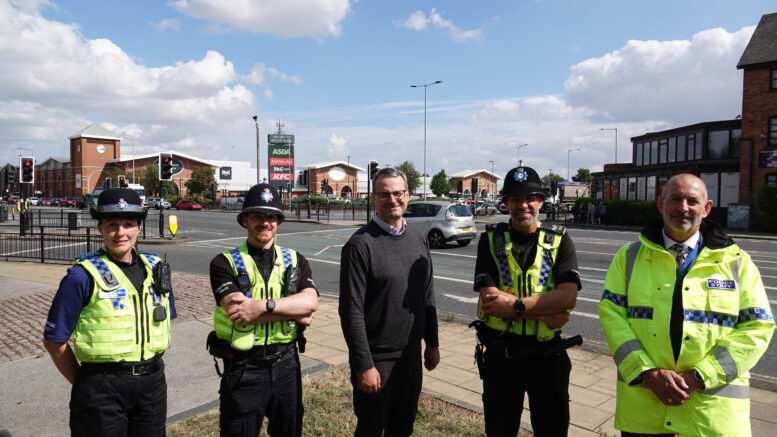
{"points": [[392, 172]]}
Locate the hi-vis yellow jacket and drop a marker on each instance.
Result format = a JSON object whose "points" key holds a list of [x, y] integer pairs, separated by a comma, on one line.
{"points": [[727, 326], [118, 323], [263, 334]]}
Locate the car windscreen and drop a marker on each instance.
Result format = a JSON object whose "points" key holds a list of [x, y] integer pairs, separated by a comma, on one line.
{"points": [[460, 211]]}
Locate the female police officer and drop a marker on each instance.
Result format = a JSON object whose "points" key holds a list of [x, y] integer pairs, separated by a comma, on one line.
{"points": [[118, 309]]}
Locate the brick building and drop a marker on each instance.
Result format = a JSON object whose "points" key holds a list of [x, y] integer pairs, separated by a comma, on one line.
{"points": [[733, 157], [342, 179], [482, 183]]}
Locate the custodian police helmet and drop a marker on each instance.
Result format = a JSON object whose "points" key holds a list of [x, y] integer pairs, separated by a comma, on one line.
{"points": [[522, 181], [262, 198], [118, 203]]}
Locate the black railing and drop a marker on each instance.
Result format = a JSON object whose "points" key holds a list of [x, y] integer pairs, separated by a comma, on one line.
{"points": [[49, 243]]}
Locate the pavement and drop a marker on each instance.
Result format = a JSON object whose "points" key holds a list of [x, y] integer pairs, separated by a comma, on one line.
{"points": [[34, 396]]}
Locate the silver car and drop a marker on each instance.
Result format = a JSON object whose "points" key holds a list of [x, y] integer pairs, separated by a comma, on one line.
{"points": [[153, 203], [442, 222]]}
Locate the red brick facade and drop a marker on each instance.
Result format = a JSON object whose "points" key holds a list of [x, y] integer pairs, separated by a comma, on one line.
{"points": [[759, 104]]}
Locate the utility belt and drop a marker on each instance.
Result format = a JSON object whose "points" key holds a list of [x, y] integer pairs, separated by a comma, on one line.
{"points": [[127, 368], [260, 354]]}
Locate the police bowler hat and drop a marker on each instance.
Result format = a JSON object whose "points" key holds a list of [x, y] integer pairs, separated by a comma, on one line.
{"points": [[264, 199], [522, 181], [118, 203]]}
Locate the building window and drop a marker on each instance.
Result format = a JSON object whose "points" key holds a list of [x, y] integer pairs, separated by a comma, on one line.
{"points": [[662, 146], [672, 149], [691, 146], [638, 154], [654, 152], [719, 144], [771, 179], [681, 148], [772, 131], [697, 154], [773, 82]]}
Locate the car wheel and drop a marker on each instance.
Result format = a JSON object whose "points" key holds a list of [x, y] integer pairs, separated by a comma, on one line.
{"points": [[436, 239], [463, 243]]}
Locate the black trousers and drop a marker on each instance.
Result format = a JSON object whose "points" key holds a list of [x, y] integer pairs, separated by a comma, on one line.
{"points": [[109, 403], [392, 410], [507, 380], [252, 391]]}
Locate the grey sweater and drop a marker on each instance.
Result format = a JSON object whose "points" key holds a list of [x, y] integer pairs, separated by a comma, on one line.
{"points": [[386, 295]]}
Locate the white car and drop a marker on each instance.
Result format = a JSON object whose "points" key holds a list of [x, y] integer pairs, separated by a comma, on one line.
{"points": [[153, 203], [33, 201], [442, 222]]}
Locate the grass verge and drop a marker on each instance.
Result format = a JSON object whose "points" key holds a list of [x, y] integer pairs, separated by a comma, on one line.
{"points": [[329, 412]]}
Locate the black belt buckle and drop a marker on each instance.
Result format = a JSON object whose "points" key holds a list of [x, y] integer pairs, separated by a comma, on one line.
{"points": [[140, 369]]}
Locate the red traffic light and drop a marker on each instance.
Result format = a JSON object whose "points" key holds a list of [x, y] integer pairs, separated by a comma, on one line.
{"points": [[27, 163]]}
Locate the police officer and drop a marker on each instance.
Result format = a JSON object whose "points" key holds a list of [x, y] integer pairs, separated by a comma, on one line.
{"points": [[526, 275], [117, 305], [264, 295]]}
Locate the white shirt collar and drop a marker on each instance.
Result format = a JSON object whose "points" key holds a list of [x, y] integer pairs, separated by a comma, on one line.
{"points": [[388, 228], [691, 242]]}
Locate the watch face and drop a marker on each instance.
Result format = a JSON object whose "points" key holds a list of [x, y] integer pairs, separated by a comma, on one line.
{"points": [[519, 307], [270, 306]]}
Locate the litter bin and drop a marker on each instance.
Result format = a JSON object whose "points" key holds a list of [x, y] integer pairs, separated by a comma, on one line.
{"points": [[72, 220]]}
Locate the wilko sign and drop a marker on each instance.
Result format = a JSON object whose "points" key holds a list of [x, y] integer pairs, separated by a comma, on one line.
{"points": [[280, 156], [281, 161]]}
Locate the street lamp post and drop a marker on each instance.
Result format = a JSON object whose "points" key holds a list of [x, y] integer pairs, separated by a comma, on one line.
{"points": [[616, 140], [258, 165], [426, 85], [492, 172], [568, 153], [518, 155]]}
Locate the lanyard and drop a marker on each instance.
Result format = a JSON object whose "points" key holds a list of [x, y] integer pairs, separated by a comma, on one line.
{"points": [[691, 257]]}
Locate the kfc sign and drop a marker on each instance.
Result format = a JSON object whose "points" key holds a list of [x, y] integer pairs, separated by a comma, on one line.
{"points": [[281, 177]]}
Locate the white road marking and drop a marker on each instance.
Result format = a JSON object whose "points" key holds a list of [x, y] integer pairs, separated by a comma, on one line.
{"points": [[326, 248], [461, 298]]}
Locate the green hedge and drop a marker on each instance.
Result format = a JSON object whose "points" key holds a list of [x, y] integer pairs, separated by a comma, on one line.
{"points": [[766, 199], [626, 212]]}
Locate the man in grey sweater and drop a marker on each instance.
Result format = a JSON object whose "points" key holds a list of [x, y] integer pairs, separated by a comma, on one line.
{"points": [[386, 308]]}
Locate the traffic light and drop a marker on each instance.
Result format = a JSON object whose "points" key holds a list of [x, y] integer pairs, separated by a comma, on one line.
{"points": [[324, 185], [27, 168], [123, 181], [108, 183], [304, 177], [373, 169], [474, 186], [165, 167]]}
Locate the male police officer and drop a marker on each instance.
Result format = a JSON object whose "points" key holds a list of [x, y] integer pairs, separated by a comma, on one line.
{"points": [[526, 274], [264, 293], [686, 316], [117, 304]]}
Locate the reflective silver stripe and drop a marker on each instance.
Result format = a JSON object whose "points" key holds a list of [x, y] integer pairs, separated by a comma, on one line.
{"points": [[625, 349], [729, 391], [631, 258], [726, 362], [735, 272]]}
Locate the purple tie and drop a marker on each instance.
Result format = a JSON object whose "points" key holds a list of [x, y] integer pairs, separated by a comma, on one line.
{"points": [[682, 253]]}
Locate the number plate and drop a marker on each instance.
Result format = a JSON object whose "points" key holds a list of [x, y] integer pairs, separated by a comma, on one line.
{"points": [[467, 229]]}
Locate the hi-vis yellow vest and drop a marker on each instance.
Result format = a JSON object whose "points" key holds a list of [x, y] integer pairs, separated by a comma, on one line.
{"points": [[536, 280], [245, 337], [727, 325], [118, 322]]}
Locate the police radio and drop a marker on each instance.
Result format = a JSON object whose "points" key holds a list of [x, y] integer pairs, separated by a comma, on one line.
{"points": [[163, 286]]}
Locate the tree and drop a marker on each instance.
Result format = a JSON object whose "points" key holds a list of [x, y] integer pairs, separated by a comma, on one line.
{"points": [[440, 184], [583, 175], [413, 177], [200, 180], [550, 177], [149, 178]]}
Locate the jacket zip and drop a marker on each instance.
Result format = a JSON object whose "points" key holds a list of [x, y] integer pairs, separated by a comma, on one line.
{"points": [[137, 322], [142, 327]]}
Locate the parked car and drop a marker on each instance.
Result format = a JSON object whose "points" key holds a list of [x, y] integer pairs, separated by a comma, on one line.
{"points": [[44, 201], [188, 204], [33, 201], [56, 201], [13, 200], [232, 203], [502, 208], [442, 222], [153, 203], [69, 202], [484, 208]]}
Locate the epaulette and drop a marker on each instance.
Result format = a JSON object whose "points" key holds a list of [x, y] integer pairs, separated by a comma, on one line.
{"points": [[497, 227], [558, 229], [89, 255]]}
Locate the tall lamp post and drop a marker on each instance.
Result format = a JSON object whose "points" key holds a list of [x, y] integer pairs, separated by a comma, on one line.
{"points": [[616, 140], [426, 85], [258, 165], [518, 155], [568, 153], [492, 172]]}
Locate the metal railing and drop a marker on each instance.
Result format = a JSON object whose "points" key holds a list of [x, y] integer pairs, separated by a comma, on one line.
{"points": [[49, 243]]}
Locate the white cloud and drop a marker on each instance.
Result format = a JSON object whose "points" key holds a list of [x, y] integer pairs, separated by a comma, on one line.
{"points": [[285, 18], [419, 21], [167, 23], [260, 72], [268, 94], [682, 81], [336, 146]]}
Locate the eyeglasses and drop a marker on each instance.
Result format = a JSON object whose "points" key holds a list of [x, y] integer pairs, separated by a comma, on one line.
{"points": [[385, 195]]}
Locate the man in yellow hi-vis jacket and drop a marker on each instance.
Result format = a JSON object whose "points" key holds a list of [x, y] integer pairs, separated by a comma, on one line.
{"points": [[686, 316]]}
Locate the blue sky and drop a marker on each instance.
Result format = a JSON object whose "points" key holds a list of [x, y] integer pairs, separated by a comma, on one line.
{"points": [[187, 75]]}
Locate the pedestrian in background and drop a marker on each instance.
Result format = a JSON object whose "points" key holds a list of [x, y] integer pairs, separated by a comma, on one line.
{"points": [[117, 304], [386, 308], [686, 317], [264, 294], [527, 279]]}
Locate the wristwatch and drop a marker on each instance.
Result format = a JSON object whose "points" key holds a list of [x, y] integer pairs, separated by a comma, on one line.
{"points": [[519, 307], [270, 305]]}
